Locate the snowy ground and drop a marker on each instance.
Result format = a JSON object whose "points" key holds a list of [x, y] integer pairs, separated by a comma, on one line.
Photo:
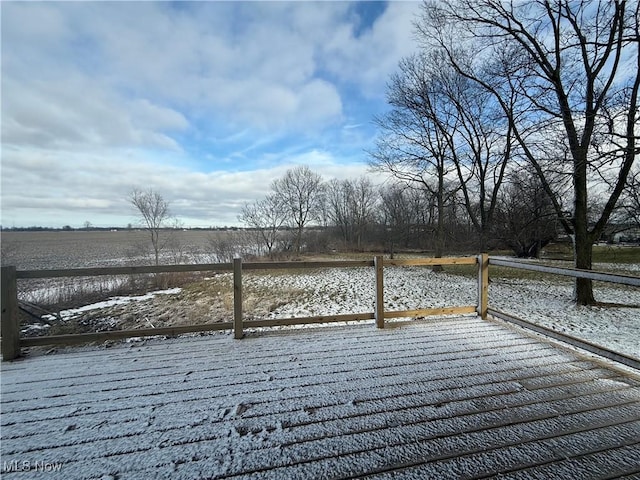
{"points": [[336, 291], [444, 398], [547, 303], [551, 305]]}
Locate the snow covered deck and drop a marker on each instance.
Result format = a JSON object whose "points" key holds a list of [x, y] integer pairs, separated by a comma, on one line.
{"points": [[443, 398]]}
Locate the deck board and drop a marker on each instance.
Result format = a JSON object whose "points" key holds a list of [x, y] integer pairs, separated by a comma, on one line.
{"points": [[444, 398]]}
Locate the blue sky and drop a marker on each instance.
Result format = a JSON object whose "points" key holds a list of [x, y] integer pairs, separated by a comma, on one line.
{"points": [[205, 102]]}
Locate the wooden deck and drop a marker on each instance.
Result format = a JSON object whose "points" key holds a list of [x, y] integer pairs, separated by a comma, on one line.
{"points": [[444, 398]]}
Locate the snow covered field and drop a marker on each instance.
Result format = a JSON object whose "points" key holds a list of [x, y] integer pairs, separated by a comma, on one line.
{"points": [[335, 291], [551, 305]]}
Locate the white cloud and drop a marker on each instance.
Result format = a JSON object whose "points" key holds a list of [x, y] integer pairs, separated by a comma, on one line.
{"points": [[95, 187], [82, 113], [101, 97], [262, 76], [262, 69], [369, 59], [71, 188]]}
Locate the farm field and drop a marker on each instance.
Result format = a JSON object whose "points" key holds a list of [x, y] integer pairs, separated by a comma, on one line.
{"points": [[76, 249], [544, 299]]}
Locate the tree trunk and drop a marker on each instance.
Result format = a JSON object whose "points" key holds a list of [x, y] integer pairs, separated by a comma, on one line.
{"points": [[583, 242], [583, 252], [298, 240], [155, 242], [440, 225], [483, 237]]}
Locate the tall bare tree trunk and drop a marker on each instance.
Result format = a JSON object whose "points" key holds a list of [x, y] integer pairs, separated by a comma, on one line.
{"points": [[583, 260], [440, 225], [583, 242]]}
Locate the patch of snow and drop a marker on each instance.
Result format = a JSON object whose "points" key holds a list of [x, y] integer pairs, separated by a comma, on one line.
{"points": [[34, 329], [72, 312], [337, 291], [627, 268]]}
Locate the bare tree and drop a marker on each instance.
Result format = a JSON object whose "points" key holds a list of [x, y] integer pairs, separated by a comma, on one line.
{"points": [[226, 245], [396, 217], [407, 217], [350, 207], [575, 70], [266, 216], [481, 145], [443, 134], [631, 205], [526, 219], [413, 144], [154, 214], [300, 193]]}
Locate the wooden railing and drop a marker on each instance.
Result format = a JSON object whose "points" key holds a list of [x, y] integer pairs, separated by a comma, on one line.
{"points": [[575, 273], [12, 343]]}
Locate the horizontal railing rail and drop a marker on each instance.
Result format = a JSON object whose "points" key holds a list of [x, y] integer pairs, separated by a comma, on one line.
{"points": [[564, 337], [306, 265], [112, 271], [570, 339], [569, 272], [75, 338], [198, 267], [407, 262], [12, 342]]}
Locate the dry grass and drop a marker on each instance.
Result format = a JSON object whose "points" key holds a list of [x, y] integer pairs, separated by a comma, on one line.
{"points": [[200, 301], [257, 300]]}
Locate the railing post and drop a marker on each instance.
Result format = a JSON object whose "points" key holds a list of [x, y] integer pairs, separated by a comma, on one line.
{"points": [[378, 262], [10, 328], [237, 298], [483, 285]]}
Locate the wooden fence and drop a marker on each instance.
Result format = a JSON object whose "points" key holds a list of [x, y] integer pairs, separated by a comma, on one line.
{"points": [[12, 343]]}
